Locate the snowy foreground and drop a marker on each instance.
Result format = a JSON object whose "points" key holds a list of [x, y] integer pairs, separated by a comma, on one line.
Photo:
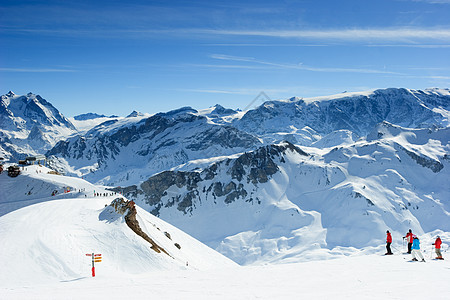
{"points": [[44, 240], [363, 277]]}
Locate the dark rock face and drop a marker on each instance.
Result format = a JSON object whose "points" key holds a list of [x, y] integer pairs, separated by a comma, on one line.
{"points": [[155, 187], [224, 179], [128, 209], [434, 165], [260, 162]]}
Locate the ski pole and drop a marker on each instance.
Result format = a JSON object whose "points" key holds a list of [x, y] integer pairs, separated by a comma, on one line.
{"points": [[395, 249]]}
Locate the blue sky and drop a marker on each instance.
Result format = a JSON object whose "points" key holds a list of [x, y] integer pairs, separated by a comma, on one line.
{"points": [[113, 57]]}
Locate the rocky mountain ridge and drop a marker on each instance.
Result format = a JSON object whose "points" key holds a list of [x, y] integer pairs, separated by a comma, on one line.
{"points": [[153, 143], [166, 140], [358, 113], [279, 195]]}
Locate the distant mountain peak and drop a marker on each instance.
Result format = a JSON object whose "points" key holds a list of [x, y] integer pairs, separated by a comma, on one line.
{"points": [[220, 110], [135, 114], [179, 111], [90, 116], [33, 121]]}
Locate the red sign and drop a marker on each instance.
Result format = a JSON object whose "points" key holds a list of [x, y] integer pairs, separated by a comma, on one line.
{"points": [[95, 258]]}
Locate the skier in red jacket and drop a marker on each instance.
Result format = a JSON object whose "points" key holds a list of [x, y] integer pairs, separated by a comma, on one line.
{"points": [[388, 243], [437, 245], [409, 237]]}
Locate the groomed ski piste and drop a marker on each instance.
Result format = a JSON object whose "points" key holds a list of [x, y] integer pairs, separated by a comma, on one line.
{"points": [[44, 241]]}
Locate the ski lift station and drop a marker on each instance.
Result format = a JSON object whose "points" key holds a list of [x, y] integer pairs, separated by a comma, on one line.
{"points": [[39, 159]]}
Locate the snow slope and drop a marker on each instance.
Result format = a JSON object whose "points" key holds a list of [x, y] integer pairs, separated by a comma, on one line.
{"points": [[47, 241], [356, 277], [36, 185]]}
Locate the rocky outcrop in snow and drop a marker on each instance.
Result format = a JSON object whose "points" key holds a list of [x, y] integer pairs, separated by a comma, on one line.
{"points": [[128, 210]]}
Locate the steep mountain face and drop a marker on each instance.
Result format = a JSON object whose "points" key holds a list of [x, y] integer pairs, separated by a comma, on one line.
{"points": [[142, 146], [29, 124], [358, 113], [249, 168], [279, 201]]}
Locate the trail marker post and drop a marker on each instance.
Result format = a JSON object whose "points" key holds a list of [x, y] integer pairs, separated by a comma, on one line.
{"points": [[95, 258]]}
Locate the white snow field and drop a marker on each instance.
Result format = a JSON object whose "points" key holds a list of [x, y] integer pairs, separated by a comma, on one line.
{"points": [[44, 240]]}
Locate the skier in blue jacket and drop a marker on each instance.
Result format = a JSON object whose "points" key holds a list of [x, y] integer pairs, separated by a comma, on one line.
{"points": [[415, 250]]}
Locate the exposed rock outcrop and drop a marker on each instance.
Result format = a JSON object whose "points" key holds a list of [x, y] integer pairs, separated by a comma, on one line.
{"points": [[128, 209], [427, 162]]}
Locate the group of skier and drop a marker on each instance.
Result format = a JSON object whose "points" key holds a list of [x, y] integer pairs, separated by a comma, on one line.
{"points": [[414, 246]]}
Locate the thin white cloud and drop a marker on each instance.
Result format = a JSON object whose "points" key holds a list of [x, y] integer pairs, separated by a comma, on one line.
{"points": [[264, 45], [217, 66], [300, 66], [433, 1], [425, 46], [434, 77], [37, 70], [345, 34], [404, 35]]}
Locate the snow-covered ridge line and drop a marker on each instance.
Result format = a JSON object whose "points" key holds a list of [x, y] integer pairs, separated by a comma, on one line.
{"points": [[429, 91]]}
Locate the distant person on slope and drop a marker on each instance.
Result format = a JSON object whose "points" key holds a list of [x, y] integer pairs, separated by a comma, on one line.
{"points": [[409, 238], [388, 243], [437, 245], [415, 250]]}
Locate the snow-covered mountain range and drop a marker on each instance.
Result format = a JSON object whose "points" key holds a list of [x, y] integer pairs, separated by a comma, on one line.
{"points": [[30, 125], [285, 201], [124, 151], [307, 120], [129, 150], [280, 181]]}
